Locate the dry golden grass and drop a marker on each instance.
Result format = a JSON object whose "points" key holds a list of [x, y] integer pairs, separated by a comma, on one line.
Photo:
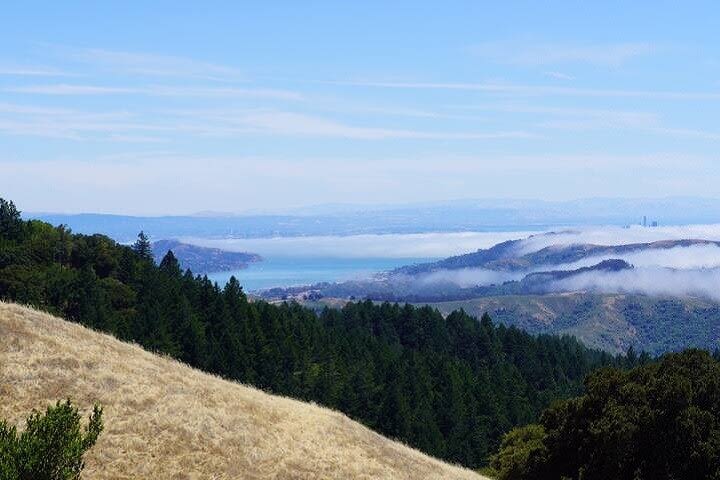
{"points": [[165, 420]]}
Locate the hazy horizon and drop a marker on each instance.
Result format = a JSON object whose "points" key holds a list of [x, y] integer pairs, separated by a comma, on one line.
{"points": [[331, 208]]}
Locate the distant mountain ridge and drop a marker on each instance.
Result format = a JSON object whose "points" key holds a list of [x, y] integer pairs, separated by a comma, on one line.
{"points": [[457, 216]]}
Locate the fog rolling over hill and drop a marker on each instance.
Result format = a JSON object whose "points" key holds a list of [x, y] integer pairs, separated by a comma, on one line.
{"points": [[166, 420], [656, 289], [539, 265]]}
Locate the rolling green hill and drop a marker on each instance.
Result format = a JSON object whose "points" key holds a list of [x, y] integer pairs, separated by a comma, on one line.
{"points": [[612, 322]]}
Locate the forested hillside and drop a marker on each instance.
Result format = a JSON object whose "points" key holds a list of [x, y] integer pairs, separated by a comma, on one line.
{"points": [[611, 322], [450, 387]]}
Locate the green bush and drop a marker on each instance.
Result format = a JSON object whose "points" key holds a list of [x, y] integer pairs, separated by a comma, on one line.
{"points": [[51, 447], [519, 447]]}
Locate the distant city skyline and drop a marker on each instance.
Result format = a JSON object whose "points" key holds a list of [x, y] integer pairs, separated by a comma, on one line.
{"points": [[173, 109]]}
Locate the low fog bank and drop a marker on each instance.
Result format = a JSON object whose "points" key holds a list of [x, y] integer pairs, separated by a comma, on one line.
{"points": [[680, 258], [648, 281], [463, 278], [618, 236], [679, 271], [421, 245], [436, 285]]}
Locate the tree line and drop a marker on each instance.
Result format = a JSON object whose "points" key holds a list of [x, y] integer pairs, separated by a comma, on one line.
{"points": [[450, 387]]}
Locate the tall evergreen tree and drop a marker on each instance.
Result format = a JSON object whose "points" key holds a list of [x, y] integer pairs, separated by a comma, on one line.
{"points": [[10, 222], [170, 266], [143, 247]]}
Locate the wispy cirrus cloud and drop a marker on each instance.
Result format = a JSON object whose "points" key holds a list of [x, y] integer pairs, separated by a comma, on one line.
{"points": [[290, 123], [585, 119], [67, 89], [529, 90], [527, 53], [608, 120], [150, 64], [559, 75], [690, 133], [628, 118], [63, 123], [155, 125], [155, 90], [33, 71]]}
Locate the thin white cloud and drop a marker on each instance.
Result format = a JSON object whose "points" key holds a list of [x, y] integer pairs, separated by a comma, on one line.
{"points": [[124, 138], [304, 125], [77, 125], [534, 54], [583, 119], [65, 89], [228, 92], [531, 90], [690, 133], [590, 117], [152, 64], [155, 90], [31, 71], [31, 109], [559, 75], [299, 124], [117, 126]]}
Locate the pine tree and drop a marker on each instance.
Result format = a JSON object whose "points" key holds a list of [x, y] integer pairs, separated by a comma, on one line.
{"points": [[10, 222], [143, 247], [170, 265]]}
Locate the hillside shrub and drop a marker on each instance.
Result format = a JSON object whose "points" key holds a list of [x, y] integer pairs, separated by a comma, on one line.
{"points": [[52, 445]]}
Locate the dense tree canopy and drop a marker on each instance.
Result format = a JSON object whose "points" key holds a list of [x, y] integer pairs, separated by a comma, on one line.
{"points": [[660, 420], [448, 386]]}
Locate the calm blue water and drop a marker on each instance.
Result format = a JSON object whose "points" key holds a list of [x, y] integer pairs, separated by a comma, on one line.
{"points": [[287, 271]]}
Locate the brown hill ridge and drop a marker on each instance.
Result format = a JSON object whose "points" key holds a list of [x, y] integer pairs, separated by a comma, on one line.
{"points": [[165, 420]]}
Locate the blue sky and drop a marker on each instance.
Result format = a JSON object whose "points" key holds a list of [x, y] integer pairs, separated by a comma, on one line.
{"points": [[178, 107]]}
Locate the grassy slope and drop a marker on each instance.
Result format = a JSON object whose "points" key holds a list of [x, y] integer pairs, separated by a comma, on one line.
{"points": [[165, 420]]}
